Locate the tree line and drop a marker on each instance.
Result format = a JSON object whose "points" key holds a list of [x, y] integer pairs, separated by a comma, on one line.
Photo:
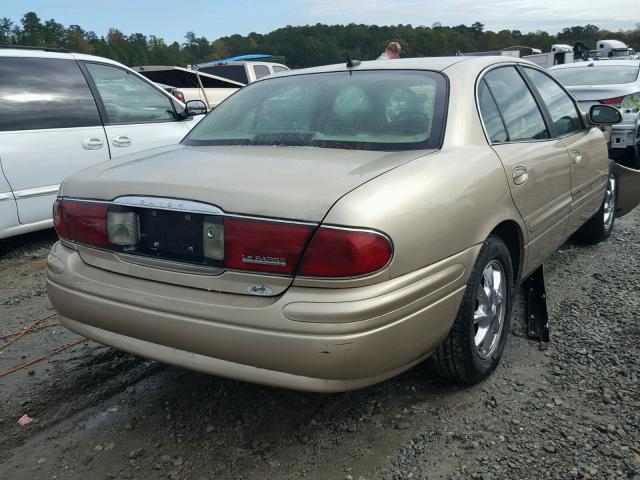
{"points": [[302, 46]]}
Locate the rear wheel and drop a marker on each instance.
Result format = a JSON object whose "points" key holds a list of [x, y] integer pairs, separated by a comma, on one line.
{"points": [[600, 226], [633, 154], [474, 346]]}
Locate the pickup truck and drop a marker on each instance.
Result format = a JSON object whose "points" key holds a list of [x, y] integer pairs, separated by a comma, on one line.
{"points": [[241, 71], [191, 84]]}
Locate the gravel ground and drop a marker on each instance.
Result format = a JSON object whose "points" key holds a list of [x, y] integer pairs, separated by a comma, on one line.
{"points": [[570, 412]]}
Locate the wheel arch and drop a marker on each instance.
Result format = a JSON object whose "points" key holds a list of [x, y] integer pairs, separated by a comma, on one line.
{"points": [[511, 234]]}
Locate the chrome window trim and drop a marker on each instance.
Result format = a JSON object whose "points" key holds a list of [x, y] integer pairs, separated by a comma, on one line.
{"points": [[35, 192], [484, 128], [534, 67]]}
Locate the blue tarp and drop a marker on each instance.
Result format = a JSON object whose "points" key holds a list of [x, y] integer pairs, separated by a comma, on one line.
{"points": [[252, 56]]}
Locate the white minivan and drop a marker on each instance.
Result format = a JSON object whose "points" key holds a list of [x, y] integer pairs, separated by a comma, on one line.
{"points": [[61, 112]]}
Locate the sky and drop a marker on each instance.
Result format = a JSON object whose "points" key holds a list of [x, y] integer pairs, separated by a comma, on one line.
{"points": [[171, 19]]}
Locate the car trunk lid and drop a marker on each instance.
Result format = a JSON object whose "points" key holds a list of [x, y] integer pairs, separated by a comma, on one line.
{"points": [[294, 185]]}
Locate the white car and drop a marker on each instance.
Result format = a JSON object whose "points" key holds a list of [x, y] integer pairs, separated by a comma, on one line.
{"points": [[610, 82], [61, 112]]}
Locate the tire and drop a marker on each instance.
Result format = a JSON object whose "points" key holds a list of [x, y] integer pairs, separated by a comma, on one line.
{"points": [[599, 227], [460, 357], [632, 159]]}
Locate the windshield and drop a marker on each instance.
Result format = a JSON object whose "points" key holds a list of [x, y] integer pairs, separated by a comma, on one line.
{"points": [[623, 52], [600, 75], [367, 110]]}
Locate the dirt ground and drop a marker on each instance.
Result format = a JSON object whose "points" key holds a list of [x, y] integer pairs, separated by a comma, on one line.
{"points": [[571, 412]]}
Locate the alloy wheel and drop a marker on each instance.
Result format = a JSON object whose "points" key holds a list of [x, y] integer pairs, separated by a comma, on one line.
{"points": [[609, 205], [488, 318]]}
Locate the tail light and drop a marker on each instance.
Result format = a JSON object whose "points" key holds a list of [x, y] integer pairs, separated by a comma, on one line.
{"points": [[264, 246], [179, 95], [615, 101], [631, 102], [81, 222], [241, 243], [339, 252]]}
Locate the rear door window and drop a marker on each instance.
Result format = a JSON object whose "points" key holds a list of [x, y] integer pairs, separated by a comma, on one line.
{"points": [[563, 112], [129, 99], [490, 115], [39, 93], [522, 117]]}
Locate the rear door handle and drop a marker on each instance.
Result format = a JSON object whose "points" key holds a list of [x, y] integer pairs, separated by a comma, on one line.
{"points": [[121, 141], [576, 157], [92, 143]]}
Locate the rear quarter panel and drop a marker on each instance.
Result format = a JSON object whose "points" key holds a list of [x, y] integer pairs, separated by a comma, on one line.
{"points": [[443, 203], [432, 207]]}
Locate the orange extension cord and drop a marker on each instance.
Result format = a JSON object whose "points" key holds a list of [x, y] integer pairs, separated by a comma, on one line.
{"points": [[31, 328]]}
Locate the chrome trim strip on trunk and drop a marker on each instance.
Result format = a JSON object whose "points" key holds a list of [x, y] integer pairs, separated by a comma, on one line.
{"points": [[162, 203], [36, 192], [189, 206]]}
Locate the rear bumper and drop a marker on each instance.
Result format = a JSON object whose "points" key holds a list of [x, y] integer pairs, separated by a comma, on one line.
{"points": [[317, 339], [625, 134]]}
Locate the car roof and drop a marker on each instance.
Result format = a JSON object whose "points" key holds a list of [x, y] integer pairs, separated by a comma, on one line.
{"points": [[598, 63], [422, 63], [37, 52]]}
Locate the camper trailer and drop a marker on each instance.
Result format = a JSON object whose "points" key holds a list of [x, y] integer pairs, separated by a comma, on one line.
{"points": [[558, 55]]}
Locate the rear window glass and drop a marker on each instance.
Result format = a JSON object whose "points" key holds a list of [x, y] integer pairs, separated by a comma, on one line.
{"points": [[600, 75], [368, 110]]}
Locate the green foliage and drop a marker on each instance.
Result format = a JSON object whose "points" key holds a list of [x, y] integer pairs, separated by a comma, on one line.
{"points": [[302, 46]]}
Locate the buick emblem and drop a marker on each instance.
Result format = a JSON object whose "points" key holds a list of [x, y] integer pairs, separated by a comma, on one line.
{"points": [[261, 290]]}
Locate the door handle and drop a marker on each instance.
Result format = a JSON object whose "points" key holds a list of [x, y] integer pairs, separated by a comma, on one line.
{"points": [[520, 175], [92, 143], [121, 141], [576, 157]]}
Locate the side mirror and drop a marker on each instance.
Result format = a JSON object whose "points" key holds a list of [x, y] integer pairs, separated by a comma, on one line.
{"points": [[195, 107], [604, 115]]}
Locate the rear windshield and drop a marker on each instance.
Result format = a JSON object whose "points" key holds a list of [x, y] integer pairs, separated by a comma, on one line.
{"points": [[600, 75], [366, 110]]}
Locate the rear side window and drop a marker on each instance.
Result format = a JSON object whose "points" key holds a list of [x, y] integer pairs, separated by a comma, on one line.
{"points": [[38, 93], [232, 72], [261, 71], [127, 98], [564, 114], [278, 69], [519, 109], [490, 115]]}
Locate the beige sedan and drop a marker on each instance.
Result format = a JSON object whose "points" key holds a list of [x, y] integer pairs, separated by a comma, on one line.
{"points": [[329, 228]]}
